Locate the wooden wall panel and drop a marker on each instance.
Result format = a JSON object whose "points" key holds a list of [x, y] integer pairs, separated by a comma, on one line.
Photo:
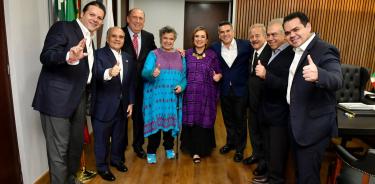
{"points": [[348, 24]]}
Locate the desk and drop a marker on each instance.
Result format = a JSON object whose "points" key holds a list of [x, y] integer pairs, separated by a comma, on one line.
{"points": [[356, 126]]}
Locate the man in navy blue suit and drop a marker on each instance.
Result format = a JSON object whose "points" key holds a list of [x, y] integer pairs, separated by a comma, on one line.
{"points": [[112, 101], [314, 76], [61, 93], [234, 57]]}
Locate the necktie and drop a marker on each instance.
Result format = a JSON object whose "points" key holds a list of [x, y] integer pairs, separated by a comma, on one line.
{"points": [[135, 43], [255, 62]]}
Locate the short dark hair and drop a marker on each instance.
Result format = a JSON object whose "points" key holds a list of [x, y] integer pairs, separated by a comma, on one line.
{"points": [[223, 23], [94, 3], [167, 29], [301, 16]]}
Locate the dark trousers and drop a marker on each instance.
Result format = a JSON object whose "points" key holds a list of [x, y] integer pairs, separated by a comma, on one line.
{"points": [[256, 134], [234, 114], [277, 146], [154, 141], [308, 160], [64, 141], [109, 140], [138, 123]]}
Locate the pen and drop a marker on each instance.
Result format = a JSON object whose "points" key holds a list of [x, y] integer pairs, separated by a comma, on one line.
{"points": [[349, 115]]}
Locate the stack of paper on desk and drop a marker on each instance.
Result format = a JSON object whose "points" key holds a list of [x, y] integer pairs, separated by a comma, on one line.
{"points": [[356, 106]]}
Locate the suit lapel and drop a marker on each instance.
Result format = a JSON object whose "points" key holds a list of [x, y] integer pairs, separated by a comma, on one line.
{"points": [[307, 51], [125, 67]]}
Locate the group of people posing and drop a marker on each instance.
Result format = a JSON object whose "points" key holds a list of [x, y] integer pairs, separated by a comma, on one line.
{"points": [[285, 75]]}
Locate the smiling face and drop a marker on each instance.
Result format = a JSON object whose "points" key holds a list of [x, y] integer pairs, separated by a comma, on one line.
{"points": [[257, 37], [296, 33], [167, 41], [92, 18], [116, 38], [275, 36], [226, 34], [136, 20], [200, 39]]}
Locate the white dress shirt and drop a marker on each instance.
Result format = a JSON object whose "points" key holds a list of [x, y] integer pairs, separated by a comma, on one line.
{"points": [[229, 54], [259, 51], [118, 57], [293, 67]]}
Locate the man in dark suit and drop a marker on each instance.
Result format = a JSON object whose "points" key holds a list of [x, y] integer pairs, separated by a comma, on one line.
{"points": [[274, 110], [262, 53], [60, 97], [234, 55], [314, 76], [112, 100], [138, 43]]}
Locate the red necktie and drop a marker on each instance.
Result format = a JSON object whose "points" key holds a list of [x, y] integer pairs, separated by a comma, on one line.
{"points": [[135, 43]]}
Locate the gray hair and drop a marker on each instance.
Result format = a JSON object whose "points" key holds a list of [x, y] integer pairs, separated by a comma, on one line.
{"points": [[261, 26], [277, 21], [167, 29]]}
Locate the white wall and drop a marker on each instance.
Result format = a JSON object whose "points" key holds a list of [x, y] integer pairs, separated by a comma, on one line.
{"points": [[26, 27], [161, 13]]}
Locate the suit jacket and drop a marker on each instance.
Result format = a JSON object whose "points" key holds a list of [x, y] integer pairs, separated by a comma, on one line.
{"points": [[60, 85], [313, 104], [237, 74], [256, 83], [147, 45], [274, 107], [107, 95]]}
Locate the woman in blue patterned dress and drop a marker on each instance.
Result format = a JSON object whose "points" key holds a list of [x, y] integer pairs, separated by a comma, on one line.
{"points": [[165, 79], [200, 97]]}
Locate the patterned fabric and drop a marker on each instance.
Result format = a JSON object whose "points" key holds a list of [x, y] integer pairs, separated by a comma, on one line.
{"points": [[135, 43], [201, 94], [160, 102]]}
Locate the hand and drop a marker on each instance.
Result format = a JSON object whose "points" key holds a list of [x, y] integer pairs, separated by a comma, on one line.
{"points": [[177, 89], [156, 72], [129, 110], [181, 51], [115, 70], [260, 70], [217, 76], [310, 71], [76, 52]]}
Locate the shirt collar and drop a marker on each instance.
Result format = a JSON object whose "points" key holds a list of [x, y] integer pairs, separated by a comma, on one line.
{"points": [[304, 45], [85, 31], [282, 47], [232, 46], [115, 52], [131, 33]]}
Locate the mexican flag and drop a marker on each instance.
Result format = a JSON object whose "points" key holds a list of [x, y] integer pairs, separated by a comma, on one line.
{"points": [[66, 9], [373, 80]]}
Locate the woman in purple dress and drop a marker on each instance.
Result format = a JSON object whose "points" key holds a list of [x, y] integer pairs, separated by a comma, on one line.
{"points": [[200, 98]]}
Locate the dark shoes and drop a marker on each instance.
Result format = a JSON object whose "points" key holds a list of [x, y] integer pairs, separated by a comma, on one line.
{"points": [[225, 149], [140, 152], [120, 167], [107, 175], [238, 157], [250, 160]]}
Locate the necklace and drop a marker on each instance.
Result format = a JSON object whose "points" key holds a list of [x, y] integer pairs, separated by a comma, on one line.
{"points": [[199, 55]]}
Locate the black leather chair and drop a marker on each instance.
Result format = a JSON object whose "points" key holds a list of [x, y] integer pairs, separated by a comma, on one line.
{"points": [[354, 83], [351, 170]]}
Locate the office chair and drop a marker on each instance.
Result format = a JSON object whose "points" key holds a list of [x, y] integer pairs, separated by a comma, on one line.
{"points": [[351, 170], [354, 83]]}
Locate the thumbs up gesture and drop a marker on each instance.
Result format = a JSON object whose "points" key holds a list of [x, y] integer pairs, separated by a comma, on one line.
{"points": [[260, 70], [156, 71], [216, 76], [310, 71], [115, 70]]}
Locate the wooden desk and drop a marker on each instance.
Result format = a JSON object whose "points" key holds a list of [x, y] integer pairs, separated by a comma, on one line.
{"points": [[356, 126]]}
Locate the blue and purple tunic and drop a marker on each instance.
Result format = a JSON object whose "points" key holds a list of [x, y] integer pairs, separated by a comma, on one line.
{"points": [[160, 101]]}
